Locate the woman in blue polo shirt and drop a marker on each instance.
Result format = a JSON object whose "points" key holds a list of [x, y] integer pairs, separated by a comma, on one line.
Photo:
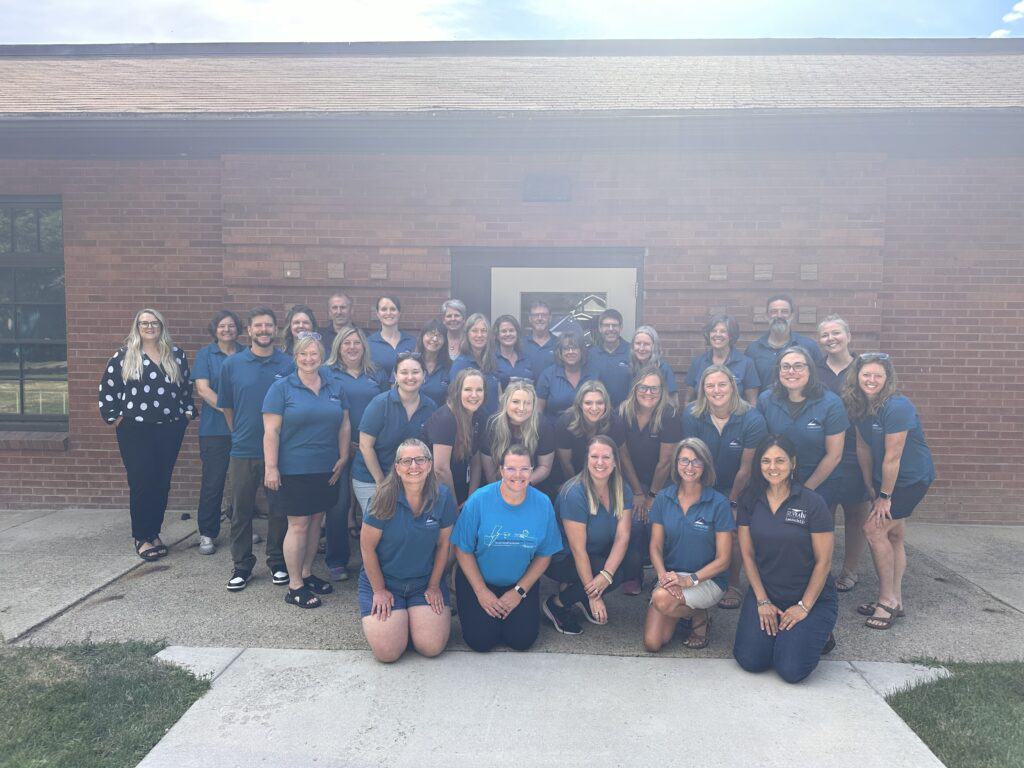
{"points": [[721, 333], [593, 510], [897, 466], [306, 440], [558, 384], [518, 421], [404, 543], [477, 353], [508, 351], [691, 542], [645, 351], [732, 429], [436, 363], [214, 435], [798, 406], [504, 540], [454, 430], [390, 418], [390, 341], [300, 319], [786, 537], [590, 415], [350, 363]]}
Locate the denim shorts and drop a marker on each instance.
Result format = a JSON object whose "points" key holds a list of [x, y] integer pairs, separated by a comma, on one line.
{"points": [[408, 593]]}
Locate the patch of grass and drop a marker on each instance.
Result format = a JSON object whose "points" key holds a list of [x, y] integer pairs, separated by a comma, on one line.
{"points": [[93, 705], [973, 719]]}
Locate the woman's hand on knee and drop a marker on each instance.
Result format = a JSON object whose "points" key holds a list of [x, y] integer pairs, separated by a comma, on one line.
{"points": [[383, 602]]}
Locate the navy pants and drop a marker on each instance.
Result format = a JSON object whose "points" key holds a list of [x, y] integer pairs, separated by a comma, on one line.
{"points": [[214, 452], [339, 548], [638, 552], [149, 452], [481, 632], [793, 653], [564, 570]]}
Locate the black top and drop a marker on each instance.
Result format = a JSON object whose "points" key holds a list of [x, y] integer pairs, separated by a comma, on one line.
{"points": [[645, 445], [835, 382], [153, 399], [578, 445], [441, 429]]}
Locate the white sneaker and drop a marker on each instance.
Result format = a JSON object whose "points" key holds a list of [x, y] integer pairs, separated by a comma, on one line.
{"points": [[256, 538], [207, 546]]}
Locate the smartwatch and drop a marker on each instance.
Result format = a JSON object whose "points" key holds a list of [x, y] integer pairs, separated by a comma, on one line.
{"points": [[694, 579], [520, 591], [884, 495]]}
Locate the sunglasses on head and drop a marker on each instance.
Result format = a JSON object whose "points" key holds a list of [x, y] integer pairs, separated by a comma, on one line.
{"points": [[869, 357]]}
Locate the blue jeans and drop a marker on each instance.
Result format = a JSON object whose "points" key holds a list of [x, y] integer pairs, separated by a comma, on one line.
{"points": [[339, 548], [793, 653]]}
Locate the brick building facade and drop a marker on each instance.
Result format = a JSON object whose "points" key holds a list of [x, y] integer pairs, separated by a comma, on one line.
{"points": [[906, 220]]}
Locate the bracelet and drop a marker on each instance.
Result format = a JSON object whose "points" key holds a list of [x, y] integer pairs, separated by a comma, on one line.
{"points": [[807, 611], [763, 602], [607, 575]]}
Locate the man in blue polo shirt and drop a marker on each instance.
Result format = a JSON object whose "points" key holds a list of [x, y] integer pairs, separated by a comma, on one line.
{"points": [[765, 350], [539, 346], [244, 380], [609, 360]]}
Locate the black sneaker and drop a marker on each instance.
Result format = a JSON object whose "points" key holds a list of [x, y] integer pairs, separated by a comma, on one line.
{"points": [[239, 580], [561, 618], [279, 575], [830, 644]]}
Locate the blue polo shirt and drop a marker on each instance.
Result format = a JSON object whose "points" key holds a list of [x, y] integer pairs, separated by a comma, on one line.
{"points": [[435, 384], [209, 361], [520, 369], [690, 538], [613, 370], [764, 356], [408, 543], [385, 419], [645, 445], [309, 423], [572, 505], [244, 381], [557, 390], [359, 390], [503, 537], [741, 431], [577, 444], [540, 356], [782, 541], [491, 390], [742, 367], [815, 421], [384, 355], [898, 414]]}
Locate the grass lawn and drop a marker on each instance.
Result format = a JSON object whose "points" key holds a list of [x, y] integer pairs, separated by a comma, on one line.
{"points": [[95, 705], [974, 719]]}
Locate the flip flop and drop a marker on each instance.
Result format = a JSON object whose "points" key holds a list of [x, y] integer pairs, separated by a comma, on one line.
{"points": [[846, 582], [731, 599]]}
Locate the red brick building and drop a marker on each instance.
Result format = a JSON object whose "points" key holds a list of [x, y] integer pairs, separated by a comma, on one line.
{"points": [[881, 180]]}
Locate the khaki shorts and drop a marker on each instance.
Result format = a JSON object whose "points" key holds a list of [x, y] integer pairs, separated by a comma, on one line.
{"points": [[705, 595]]}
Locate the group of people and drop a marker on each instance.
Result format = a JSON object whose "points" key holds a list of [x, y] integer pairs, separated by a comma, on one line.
{"points": [[483, 457]]}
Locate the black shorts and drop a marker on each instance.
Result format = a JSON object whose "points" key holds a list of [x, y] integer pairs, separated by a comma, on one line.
{"points": [[305, 495], [906, 498]]}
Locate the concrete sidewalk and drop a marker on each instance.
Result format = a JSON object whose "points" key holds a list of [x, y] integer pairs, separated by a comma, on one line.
{"points": [[335, 709]]}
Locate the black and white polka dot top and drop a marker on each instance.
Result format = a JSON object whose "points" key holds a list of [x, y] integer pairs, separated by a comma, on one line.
{"points": [[154, 399]]}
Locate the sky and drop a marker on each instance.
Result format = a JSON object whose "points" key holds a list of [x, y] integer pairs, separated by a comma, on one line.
{"points": [[117, 21]]}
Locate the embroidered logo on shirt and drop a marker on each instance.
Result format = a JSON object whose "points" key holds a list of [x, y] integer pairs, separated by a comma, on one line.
{"points": [[735, 444], [796, 516], [814, 424], [430, 521], [701, 524], [278, 375], [876, 427]]}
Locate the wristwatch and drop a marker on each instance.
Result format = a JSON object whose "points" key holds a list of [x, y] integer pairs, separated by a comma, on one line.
{"points": [[884, 495], [520, 591], [694, 579]]}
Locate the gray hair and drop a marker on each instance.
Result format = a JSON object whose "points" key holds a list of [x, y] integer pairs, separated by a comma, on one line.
{"points": [[454, 304]]}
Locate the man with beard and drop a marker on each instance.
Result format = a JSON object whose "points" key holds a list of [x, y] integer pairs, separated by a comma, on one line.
{"points": [[780, 336], [339, 307], [244, 380]]}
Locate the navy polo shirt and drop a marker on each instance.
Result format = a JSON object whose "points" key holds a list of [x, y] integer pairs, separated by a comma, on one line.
{"points": [[408, 544], [506, 537], [690, 538], [209, 360], [572, 505], [442, 429], [384, 355], [645, 445], [557, 390], [435, 384], [835, 383], [816, 420], [520, 369], [782, 541], [491, 390], [578, 445], [741, 431], [764, 356], [742, 367], [309, 423], [613, 370], [385, 419], [898, 415], [545, 439], [539, 355], [359, 390], [244, 381]]}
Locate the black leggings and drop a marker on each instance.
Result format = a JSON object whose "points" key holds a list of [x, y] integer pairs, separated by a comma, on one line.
{"points": [[564, 570], [481, 632]]}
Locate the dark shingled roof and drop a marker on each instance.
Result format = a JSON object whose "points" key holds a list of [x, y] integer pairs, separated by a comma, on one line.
{"points": [[624, 77]]}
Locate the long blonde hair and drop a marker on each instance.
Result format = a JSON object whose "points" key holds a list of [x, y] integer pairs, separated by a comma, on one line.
{"points": [[661, 411], [737, 404], [131, 366], [385, 500], [366, 364], [615, 481], [578, 424], [486, 362], [501, 429]]}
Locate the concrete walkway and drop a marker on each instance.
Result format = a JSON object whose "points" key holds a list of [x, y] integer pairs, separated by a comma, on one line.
{"points": [[295, 709]]}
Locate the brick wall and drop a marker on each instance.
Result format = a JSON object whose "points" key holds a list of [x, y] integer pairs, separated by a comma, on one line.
{"points": [[921, 256]]}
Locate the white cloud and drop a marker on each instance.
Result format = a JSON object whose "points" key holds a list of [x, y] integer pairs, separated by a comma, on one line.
{"points": [[1019, 7], [1013, 16], [1000, 33]]}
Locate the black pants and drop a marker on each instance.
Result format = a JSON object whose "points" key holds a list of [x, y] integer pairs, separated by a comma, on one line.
{"points": [[564, 570], [214, 452], [149, 452], [481, 632]]}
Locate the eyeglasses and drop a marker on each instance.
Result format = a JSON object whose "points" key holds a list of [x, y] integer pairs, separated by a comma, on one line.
{"points": [[309, 335], [517, 470], [648, 389], [868, 357], [519, 378], [408, 461], [794, 367], [149, 323], [682, 461]]}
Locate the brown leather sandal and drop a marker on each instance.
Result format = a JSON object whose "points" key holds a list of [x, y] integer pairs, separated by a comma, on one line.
{"points": [[882, 622]]}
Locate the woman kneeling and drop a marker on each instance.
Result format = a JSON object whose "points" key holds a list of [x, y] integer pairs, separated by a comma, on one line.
{"points": [[404, 543]]}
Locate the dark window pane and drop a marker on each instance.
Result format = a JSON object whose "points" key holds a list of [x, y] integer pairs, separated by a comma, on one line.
{"points": [[5, 230], [9, 367], [41, 322], [6, 284], [46, 398], [51, 231], [10, 397], [40, 284], [25, 235], [45, 361]]}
